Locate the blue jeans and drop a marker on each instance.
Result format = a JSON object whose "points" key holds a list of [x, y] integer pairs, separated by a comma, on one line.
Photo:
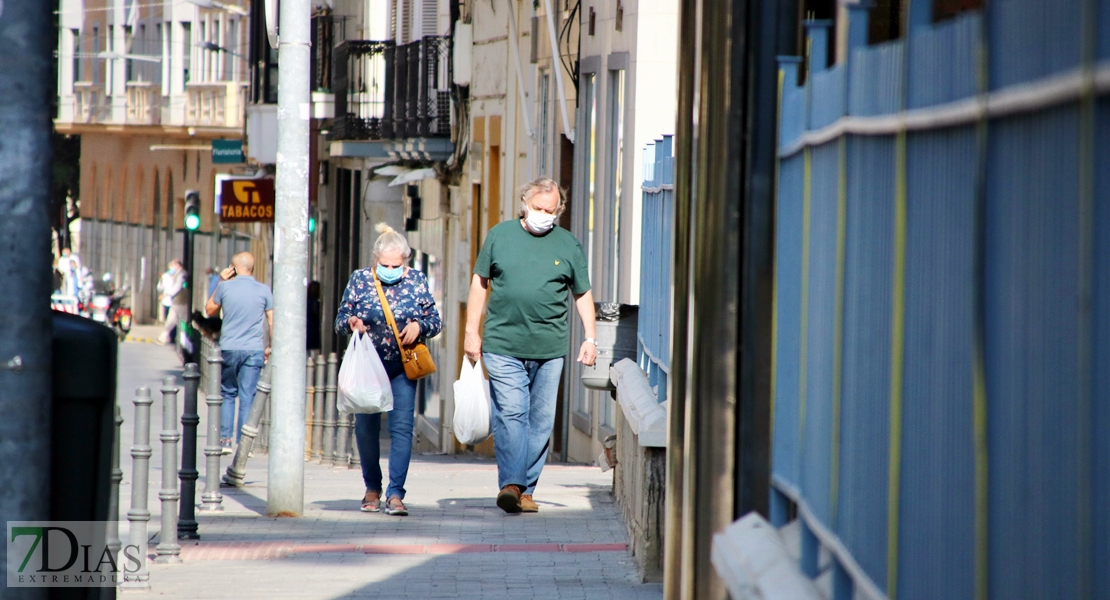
{"points": [[401, 421], [239, 377], [524, 394]]}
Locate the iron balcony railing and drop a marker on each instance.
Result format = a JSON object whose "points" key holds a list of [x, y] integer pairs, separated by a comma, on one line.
{"points": [[385, 91]]}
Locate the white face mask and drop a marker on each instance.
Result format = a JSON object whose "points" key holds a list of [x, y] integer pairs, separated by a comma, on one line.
{"points": [[539, 221]]}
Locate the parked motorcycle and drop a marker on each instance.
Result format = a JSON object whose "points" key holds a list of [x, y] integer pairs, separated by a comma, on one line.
{"points": [[105, 305], [119, 316]]}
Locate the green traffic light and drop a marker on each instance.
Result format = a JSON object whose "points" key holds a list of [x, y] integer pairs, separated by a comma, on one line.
{"points": [[311, 225], [192, 222]]}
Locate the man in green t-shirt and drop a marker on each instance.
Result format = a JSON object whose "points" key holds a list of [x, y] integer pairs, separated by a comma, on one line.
{"points": [[527, 267]]}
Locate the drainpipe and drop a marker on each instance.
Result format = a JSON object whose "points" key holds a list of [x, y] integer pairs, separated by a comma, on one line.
{"points": [[26, 86], [515, 48], [558, 68]]}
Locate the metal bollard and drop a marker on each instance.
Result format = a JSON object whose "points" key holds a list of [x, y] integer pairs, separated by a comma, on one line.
{"points": [[264, 428], [330, 457], [356, 460], [309, 390], [113, 540], [169, 551], [139, 515], [238, 467], [187, 519], [212, 499], [342, 440], [319, 413]]}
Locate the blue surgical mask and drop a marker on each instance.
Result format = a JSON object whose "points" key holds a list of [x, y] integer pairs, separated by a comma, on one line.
{"points": [[388, 275]]}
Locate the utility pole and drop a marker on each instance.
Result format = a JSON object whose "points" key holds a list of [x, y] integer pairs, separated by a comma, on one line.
{"points": [[286, 462], [26, 87]]}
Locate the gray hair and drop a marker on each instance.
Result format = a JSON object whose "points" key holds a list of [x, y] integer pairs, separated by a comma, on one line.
{"points": [[390, 241], [543, 185]]}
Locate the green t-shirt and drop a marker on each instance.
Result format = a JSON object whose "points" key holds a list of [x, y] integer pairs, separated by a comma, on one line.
{"points": [[529, 278]]}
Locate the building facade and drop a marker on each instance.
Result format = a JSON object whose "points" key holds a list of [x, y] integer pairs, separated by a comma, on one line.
{"points": [[148, 87]]}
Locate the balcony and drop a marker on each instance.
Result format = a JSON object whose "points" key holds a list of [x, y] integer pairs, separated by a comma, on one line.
{"points": [[143, 103], [215, 104], [389, 92], [90, 105]]}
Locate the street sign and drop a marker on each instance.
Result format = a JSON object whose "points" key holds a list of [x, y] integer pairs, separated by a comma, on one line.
{"points": [[247, 201], [227, 152]]}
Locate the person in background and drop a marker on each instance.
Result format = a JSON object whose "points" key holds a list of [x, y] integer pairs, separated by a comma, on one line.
{"points": [[312, 319], [414, 310], [175, 297], [527, 267], [213, 280], [70, 265], [246, 305], [166, 282]]}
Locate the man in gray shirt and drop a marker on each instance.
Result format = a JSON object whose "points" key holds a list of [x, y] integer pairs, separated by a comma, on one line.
{"points": [[245, 303]]}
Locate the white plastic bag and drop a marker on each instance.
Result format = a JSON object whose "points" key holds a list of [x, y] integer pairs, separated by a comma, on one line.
{"points": [[363, 383], [472, 404]]}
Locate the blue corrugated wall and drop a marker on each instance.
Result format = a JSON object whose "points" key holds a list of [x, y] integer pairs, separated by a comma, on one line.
{"points": [[1101, 416], [938, 474], [942, 306]]}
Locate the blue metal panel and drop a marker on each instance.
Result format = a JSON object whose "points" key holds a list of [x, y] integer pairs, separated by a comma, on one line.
{"points": [[943, 61], [1032, 304], [657, 218], [816, 460], [865, 403], [788, 307], [876, 82], [828, 96], [1030, 39], [937, 501], [1104, 46], [793, 114], [1101, 360]]}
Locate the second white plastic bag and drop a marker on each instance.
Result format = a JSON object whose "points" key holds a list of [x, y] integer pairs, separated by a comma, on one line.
{"points": [[472, 404], [363, 383]]}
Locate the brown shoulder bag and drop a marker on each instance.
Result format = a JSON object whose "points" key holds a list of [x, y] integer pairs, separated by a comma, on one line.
{"points": [[416, 358]]}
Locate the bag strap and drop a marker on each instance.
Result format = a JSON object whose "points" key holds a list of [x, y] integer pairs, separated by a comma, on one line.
{"points": [[389, 314]]}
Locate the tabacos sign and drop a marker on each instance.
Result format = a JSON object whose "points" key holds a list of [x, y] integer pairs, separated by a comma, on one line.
{"points": [[67, 554], [247, 201]]}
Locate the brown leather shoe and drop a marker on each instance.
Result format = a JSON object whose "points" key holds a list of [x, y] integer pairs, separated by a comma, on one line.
{"points": [[527, 504], [508, 499]]}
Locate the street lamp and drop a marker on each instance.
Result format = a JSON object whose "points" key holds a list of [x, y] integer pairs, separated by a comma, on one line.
{"points": [[220, 5], [116, 55], [214, 47]]}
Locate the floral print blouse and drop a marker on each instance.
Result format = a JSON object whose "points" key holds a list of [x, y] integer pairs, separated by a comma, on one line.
{"points": [[409, 299]]}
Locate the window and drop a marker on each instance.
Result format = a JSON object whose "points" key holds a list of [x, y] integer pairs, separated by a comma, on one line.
{"points": [[216, 55], [77, 74], [589, 164], [202, 54], [587, 173], [615, 163], [128, 69], [187, 48], [544, 92], [95, 49], [231, 73]]}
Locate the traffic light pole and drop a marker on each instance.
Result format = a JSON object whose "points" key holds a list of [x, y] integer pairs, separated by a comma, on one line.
{"points": [[286, 453], [191, 355]]}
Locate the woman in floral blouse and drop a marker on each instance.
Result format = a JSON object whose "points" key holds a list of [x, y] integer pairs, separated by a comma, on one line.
{"points": [[414, 309]]}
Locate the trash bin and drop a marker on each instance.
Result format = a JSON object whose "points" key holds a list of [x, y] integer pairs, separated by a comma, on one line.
{"points": [[83, 372], [616, 340]]}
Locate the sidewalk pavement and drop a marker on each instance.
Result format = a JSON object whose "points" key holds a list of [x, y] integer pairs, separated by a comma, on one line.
{"points": [[455, 544]]}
